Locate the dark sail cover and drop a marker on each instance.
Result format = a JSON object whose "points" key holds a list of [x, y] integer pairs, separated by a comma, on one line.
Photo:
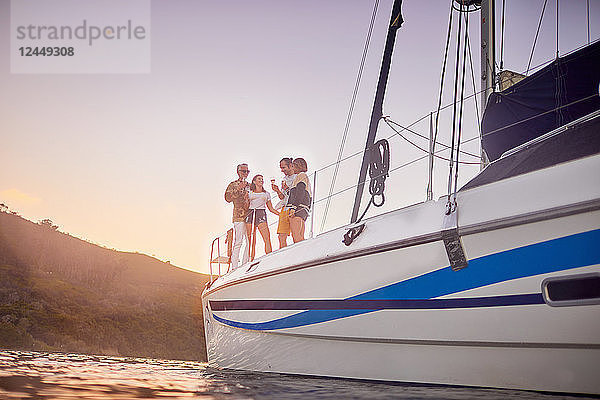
{"points": [[580, 140], [563, 91]]}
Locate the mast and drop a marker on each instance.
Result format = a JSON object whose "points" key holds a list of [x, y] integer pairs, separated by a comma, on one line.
{"points": [[488, 60], [395, 23]]}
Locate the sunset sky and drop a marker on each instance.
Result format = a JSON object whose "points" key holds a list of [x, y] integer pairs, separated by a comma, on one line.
{"points": [[139, 162]]}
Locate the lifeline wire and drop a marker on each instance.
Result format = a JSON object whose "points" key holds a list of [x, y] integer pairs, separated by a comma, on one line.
{"points": [[362, 151], [491, 132], [407, 128], [389, 122]]}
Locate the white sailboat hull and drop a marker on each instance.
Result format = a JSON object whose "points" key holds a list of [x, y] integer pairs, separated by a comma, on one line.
{"points": [[389, 307], [560, 370]]}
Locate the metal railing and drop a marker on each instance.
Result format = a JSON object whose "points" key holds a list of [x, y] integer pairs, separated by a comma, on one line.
{"points": [[220, 259]]}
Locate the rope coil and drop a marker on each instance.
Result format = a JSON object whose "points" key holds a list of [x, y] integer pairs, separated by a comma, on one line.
{"points": [[379, 167]]}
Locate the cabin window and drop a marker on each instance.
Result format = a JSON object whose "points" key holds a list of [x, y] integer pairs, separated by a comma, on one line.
{"points": [[572, 290]]}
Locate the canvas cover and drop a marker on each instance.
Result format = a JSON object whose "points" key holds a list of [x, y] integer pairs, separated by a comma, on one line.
{"points": [[580, 140], [561, 92]]}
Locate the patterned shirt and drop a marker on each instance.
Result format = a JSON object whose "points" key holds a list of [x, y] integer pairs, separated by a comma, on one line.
{"points": [[237, 192]]}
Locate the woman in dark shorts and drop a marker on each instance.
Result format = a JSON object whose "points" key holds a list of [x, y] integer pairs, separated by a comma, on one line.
{"points": [[257, 214], [300, 199]]}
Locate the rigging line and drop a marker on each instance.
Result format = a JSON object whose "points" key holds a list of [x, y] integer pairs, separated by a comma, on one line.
{"points": [[439, 107], [391, 170], [502, 37], [395, 169], [450, 105], [466, 141], [466, 98], [388, 122], [557, 10], [540, 65], [408, 126], [403, 127], [564, 55], [522, 72], [474, 87], [462, 102], [454, 103], [363, 151], [404, 137], [587, 11], [537, 32], [351, 109], [387, 119]]}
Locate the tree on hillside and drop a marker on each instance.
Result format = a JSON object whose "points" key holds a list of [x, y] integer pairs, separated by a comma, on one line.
{"points": [[61, 293], [47, 223], [3, 207]]}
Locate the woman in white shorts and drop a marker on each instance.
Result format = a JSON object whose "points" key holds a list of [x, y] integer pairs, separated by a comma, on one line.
{"points": [[257, 214]]}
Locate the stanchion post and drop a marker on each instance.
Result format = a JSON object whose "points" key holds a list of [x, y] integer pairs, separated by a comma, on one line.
{"points": [[312, 206], [431, 147]]}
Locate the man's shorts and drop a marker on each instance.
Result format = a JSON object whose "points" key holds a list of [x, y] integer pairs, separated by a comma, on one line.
{"points": [[284, 222]]}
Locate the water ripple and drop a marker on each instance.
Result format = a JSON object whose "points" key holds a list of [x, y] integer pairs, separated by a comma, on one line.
{"points": [[36, 375]]}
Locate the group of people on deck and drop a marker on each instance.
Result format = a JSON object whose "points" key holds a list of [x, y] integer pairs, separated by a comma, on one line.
{"points": [[251, 201]]}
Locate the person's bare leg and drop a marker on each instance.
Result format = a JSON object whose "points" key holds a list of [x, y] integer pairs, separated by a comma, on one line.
{"points": [[282, 240], [296, 227], [253, 242], [266, 235], [302, 226]]}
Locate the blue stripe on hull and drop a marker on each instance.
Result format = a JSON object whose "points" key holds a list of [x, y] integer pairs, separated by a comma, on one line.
{"points": [[574, 251], [403, 304]]}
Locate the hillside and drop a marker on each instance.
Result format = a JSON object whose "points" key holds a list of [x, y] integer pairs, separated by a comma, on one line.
{"points": [[60, 293]]}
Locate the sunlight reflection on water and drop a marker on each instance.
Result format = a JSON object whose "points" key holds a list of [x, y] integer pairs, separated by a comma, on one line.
{"points": [[33, 375]]}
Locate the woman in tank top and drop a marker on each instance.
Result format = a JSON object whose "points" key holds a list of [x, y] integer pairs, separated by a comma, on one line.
{"points": [[257, 215]]}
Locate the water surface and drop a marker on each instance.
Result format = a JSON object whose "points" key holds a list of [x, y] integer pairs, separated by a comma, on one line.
{"points": [[36, 375]]}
